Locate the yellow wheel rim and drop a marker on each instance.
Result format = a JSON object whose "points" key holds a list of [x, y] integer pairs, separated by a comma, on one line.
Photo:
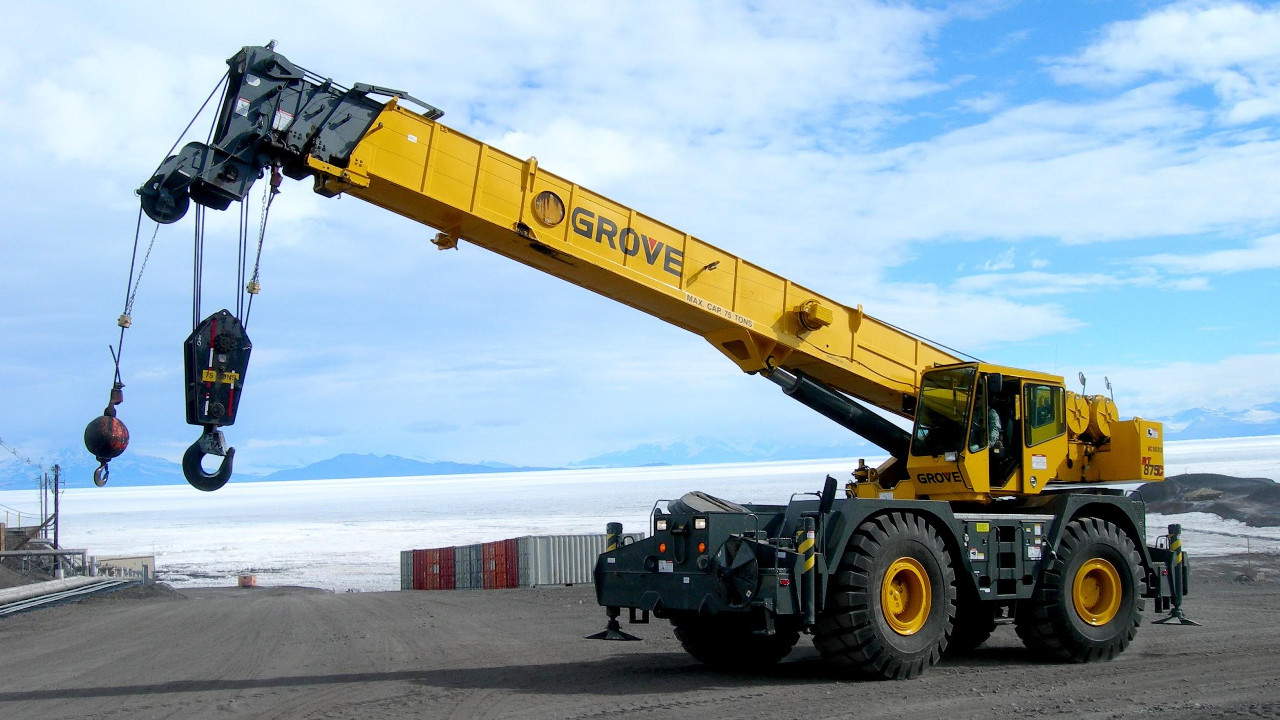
{"points": [[1096, 592], [905, 596]]}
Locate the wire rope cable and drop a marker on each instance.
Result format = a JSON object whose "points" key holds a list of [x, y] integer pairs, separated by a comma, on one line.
{"points": [[131, 287]]}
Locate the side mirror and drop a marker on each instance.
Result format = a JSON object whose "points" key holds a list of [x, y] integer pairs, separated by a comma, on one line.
{"points": [[995, 383], [909, 404]]}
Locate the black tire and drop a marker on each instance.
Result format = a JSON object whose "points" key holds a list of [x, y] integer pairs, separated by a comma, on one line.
{"points": [[856, 632], [974, 623], [730, 643], [1072, 617]]}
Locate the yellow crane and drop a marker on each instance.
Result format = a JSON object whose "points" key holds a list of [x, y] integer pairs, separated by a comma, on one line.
{"points": [[988, 509]]}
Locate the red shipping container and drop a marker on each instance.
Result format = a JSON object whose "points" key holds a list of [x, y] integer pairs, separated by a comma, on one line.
{"points": [[432, 565], [513, 563], [494, 555], [419, 569], [448, 566], [488, 556]]}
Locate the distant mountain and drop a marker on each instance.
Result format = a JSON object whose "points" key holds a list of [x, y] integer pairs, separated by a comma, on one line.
{"points": [[77, 471], [132, 470], [363, 466], [1199, 423], [705, 451]]}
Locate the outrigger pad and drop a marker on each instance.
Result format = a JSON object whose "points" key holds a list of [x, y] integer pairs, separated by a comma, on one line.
{"points": [[1177, 617], [612, 632], [216, 358]]}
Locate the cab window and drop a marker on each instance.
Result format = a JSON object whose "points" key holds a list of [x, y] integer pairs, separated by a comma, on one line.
{"points": [[942, 412], [1043, 414], [978, 432]]}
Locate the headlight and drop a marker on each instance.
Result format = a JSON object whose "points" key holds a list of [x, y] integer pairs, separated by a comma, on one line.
{"points": [[699, 523], [660, 524]]}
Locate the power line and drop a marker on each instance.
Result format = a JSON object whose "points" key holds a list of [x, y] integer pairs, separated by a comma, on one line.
{"points": [[19, 455]]}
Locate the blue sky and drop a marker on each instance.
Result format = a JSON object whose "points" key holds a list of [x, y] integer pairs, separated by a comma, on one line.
{"points": [[1089, 186]]}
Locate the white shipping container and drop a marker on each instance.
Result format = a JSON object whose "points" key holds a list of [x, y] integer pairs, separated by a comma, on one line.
{"points": [[468, 567], [406, 569], [562, 559]]}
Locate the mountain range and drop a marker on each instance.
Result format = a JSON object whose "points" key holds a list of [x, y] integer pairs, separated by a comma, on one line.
{"points": [[135, 470], [1201, 424], [77, 466]]}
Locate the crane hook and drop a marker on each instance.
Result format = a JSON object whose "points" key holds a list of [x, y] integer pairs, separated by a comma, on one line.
{"points": [[106, 436], [210, 443]]}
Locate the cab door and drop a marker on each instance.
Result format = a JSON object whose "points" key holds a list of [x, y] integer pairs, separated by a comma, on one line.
{"points": [[975, 463], [1044, 431]]}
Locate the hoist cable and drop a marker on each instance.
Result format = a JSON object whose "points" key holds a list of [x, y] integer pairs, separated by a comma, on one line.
{"points": [[195, 117], [242, 252], [197, 273], [131, 288]]}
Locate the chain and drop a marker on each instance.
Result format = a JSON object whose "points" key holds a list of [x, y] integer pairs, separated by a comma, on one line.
{"points": [[268, 195], [131, 287]]}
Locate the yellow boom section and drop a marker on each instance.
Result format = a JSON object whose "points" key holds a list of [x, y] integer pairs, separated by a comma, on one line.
{"points": [[426, 171]]}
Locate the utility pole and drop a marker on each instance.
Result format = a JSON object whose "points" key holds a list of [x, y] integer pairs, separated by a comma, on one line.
{"points": [[57, 471], [44, 498]]}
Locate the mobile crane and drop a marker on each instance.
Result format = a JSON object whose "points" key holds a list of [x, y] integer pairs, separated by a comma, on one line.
{"points": [[990, 509]]}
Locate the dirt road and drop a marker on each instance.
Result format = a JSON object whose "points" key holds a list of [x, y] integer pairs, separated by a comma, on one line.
{"points": [[299, 653]]}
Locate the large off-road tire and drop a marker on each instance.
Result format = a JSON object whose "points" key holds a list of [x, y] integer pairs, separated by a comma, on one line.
{"points": [[974, 623], [1088, 605], [730, 643], [892, 600]]}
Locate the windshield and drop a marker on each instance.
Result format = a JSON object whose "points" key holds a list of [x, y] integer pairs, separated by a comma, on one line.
{"points": [[943, 407]]}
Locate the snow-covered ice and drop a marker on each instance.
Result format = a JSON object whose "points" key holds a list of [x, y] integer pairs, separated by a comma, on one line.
{"points": [[347, 534]]}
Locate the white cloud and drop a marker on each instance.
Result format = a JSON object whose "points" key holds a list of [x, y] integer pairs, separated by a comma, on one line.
{"points": [[1232, 47], [592, 155], [1033, 283], [94, 113], [1003, 261], [1235, 383], [984, 104], [1134, 166], [965, 319], [1263, 253]]}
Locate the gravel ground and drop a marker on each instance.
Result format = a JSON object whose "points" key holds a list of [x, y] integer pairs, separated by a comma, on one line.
{"points": [[301, 653]]}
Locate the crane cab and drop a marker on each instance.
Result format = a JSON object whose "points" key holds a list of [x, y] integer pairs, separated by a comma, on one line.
{"points": [[984, 430]]}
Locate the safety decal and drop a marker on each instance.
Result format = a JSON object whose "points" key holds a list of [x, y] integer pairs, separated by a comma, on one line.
{"points": [[725, 313]]}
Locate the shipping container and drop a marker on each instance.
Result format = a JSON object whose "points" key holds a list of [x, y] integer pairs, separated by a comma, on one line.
{"points": [[512, 576], [406, 569], [530, 561], [419, 569], [495, 565], [469, 567], [448, 568], [432, 566], [462, 567], [562, 559]]}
